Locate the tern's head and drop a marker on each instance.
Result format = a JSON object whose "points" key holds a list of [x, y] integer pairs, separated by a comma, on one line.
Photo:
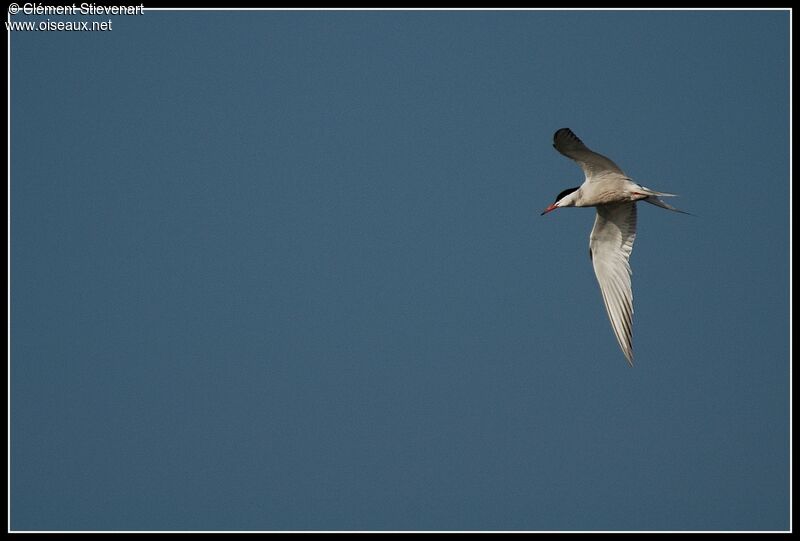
{"points": [[564, 199]]}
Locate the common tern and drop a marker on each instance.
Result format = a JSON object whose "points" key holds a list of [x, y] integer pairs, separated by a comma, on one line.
{"points": [[614, 195]]}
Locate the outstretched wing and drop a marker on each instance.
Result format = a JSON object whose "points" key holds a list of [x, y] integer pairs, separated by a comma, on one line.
{"points": [[592, 163], [610, 246]]}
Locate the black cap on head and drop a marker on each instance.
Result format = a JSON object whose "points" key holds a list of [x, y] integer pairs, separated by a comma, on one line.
{"points": [[565, 193]]}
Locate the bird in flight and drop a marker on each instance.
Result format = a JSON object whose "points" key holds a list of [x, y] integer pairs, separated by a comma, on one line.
{"points": [[614, 195]]}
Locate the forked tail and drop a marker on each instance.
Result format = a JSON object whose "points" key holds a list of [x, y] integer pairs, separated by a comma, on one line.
{"points": [[654, 200], [653, 197]]}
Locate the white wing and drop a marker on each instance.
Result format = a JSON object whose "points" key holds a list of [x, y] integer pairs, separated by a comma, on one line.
{"points": [[592, 163], [610, 246]]}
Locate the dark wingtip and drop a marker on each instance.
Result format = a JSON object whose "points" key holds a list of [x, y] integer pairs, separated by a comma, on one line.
{"points": [[565, 131], [560, 131]]}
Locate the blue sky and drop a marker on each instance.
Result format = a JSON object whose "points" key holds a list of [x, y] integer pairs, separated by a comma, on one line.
{"points": [[286, 271]]}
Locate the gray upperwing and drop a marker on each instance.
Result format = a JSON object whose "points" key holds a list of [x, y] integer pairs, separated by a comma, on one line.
{"points": [[592, 163]]}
